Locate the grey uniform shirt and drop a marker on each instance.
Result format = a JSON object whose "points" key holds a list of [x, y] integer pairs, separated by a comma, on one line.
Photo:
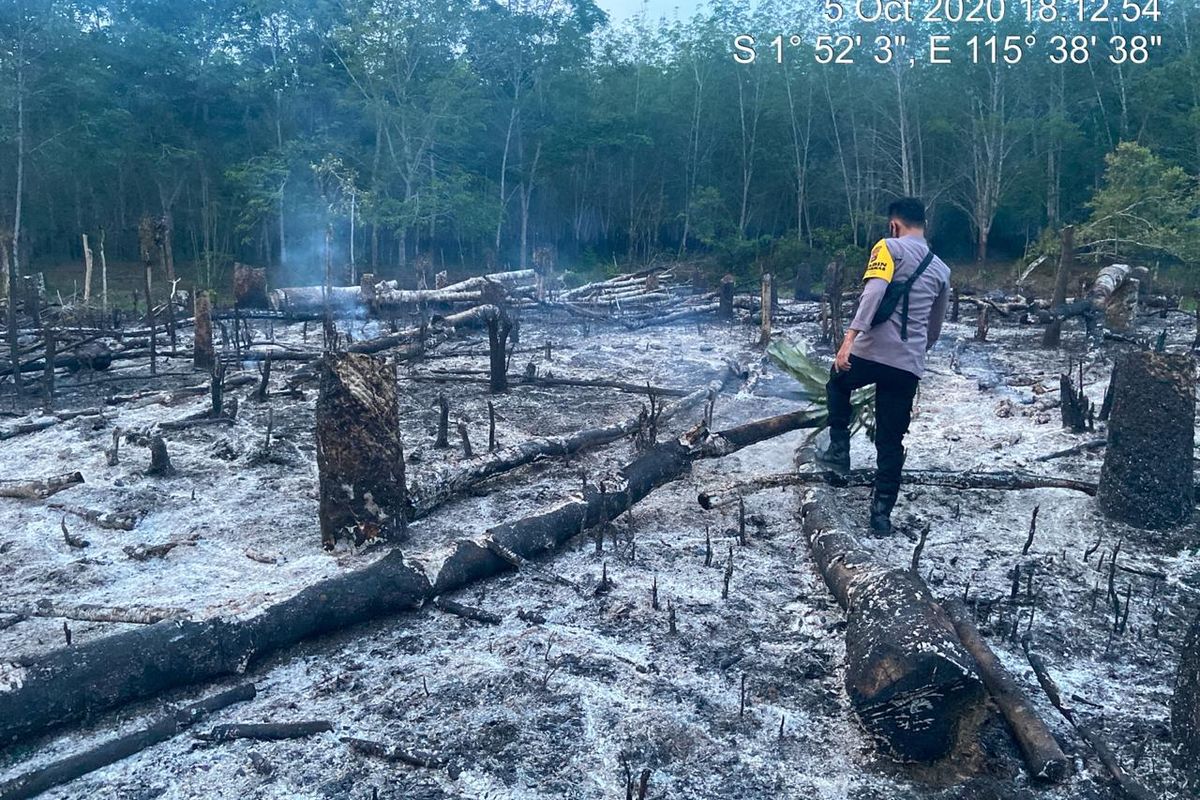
{"points": [[896, 260]]}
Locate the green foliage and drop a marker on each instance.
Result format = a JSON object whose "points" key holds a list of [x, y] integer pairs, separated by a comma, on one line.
{"points": [[797, 360], [476, 130], [1146, 209]]}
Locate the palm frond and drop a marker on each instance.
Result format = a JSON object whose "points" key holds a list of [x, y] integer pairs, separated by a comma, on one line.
{"points": [[797, 360]]}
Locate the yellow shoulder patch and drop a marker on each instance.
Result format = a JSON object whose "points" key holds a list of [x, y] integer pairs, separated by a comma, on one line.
{"points": [[880, 264]]}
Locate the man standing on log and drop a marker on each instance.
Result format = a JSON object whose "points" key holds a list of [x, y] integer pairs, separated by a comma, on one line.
{"points": [[899, 317]]}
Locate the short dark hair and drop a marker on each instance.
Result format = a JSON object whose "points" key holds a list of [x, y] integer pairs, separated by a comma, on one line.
{"points": [[908, 210]]}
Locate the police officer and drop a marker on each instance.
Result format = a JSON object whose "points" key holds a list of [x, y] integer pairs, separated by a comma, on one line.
{"points": [[887, 349]]}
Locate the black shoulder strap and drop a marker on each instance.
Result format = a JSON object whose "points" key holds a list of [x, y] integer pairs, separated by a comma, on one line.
{"points": [[925, 262]]}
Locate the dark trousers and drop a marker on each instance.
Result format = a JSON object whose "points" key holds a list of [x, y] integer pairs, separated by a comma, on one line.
{"points": [[894, 393]]}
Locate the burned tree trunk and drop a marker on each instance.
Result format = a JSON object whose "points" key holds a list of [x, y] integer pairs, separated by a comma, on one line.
{"points": [[250, 287], [1053, 335], [1146, 480], [146, 245], [499, 325], [982, 323], [1120, 312], [1078, 414], [767, 309], [909, 679], [360, 460], [203, 355], [831, 309], [725, 307], [48, 376], [1185, 705]]}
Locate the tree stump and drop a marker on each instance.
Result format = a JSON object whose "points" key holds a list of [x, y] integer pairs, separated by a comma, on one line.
{"points": [[800, 282], [766, 309], [499, 326], [250, 287], [360, 460], [725, 307], [831, 319], [1146, 480], [203, 355], [1185, 705], [1120, 312]]}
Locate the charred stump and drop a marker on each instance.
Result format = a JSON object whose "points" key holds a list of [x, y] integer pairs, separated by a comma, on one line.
{"points": [[48, 374], [831, 310], [1185, 705], [160, 462], [767, 309], [1066, 261], [250, 287], [360, 460], [983, 323], [1078, 414], [908, 677], [800, 282], [1120, 312], [1146, 480], [499, 326], [203, 354], [147, 248], [725, 307]]}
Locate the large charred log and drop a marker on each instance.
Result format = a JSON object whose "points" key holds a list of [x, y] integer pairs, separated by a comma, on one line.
{"points": [[67, 685], [68, 769], [908, 678], [1146, 479], [360, 459]]}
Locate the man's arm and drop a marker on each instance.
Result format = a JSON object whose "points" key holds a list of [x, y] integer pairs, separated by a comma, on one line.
{"points": [[868, 304], [937, 315]]}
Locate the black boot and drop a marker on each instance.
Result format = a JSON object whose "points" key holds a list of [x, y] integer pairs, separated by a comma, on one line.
{"points": [[836, 457], [882, 504]]}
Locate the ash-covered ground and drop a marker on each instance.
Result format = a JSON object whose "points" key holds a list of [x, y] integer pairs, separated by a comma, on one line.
{"points": [[575, 691]]}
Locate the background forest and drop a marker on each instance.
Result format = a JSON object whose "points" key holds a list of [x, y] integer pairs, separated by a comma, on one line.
{"points": [[471, 132]]}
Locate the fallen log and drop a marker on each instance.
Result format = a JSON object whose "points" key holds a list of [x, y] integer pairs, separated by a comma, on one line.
{"points": [[675, 316], [908, 678], [1112, 284], [414, 758], [42, 692], [265, 731], [589, 383], [442, 486], [1130, 785], [95, 613], [1091, 444], [39, 489], [47, 422], [474, 559], [1043, 756], [1005, 480], [68, 769], [466, 612], [112, 520]]}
